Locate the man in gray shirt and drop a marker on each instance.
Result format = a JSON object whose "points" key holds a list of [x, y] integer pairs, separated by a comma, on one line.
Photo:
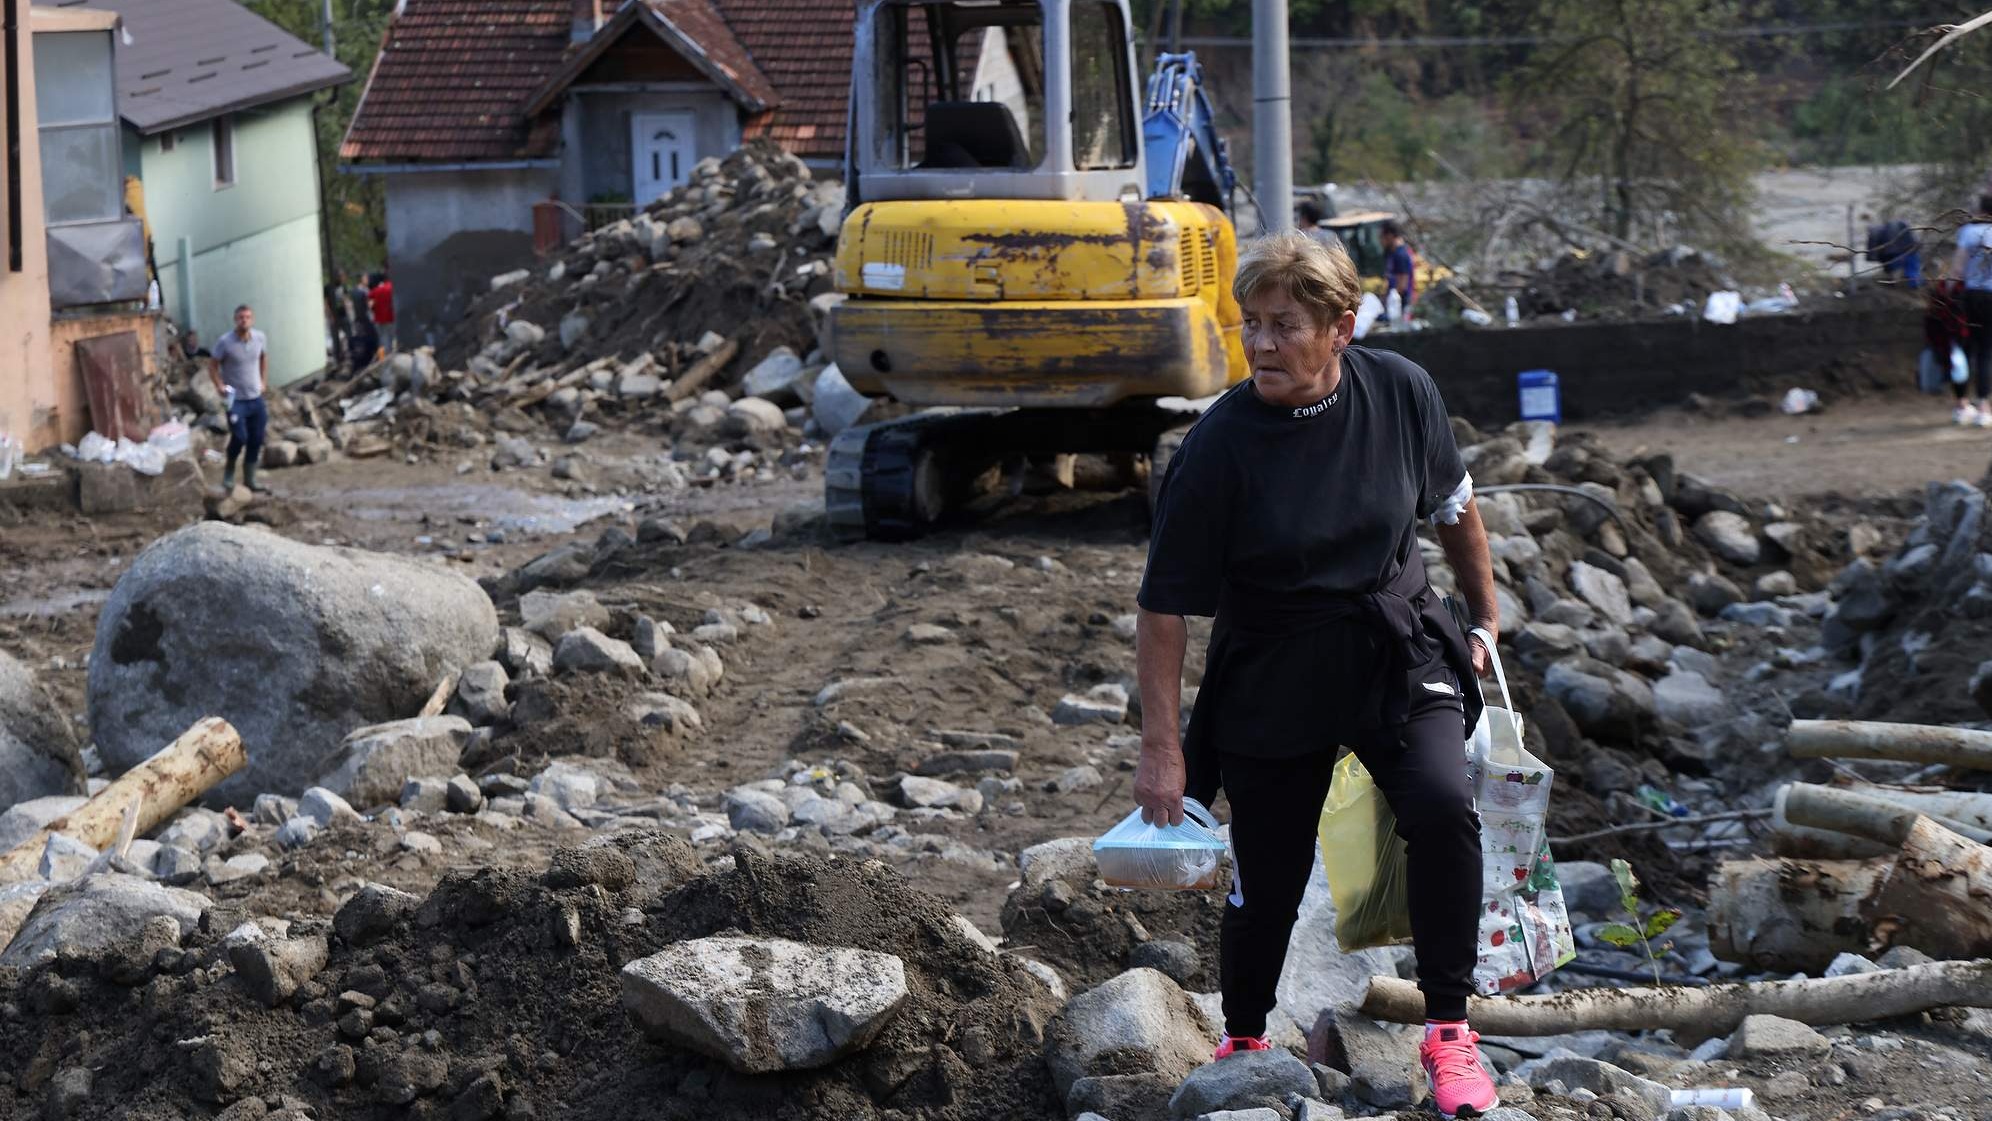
{"points": [[240, 366]]}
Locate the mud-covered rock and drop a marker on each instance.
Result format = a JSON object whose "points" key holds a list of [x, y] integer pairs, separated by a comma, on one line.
{"points": [[92, 915], [293, 644], [39, 757]]}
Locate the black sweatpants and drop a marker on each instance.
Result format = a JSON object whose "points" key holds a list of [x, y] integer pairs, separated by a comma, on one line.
{"points": [[1978, 345], [1275, 816]]}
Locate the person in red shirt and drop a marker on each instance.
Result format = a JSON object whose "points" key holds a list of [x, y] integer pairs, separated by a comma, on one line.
{"points": [[380, 299]]}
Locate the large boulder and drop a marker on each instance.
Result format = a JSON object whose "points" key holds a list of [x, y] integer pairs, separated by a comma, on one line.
{"points": [[1319, 976], [296, 645], [1138, 1022], [94, 914], [38, 755], [765, 1004]]}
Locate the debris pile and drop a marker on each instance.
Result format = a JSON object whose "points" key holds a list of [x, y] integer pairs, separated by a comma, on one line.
{"points": [[695, 320]]}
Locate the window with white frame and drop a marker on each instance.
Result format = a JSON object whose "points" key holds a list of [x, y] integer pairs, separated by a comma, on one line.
{"points": [[82, 161], [223, 144]]}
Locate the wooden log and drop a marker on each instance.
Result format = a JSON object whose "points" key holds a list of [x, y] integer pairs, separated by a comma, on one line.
{"points": [[1910, 743], [1966, 806], [178, 773], [702, 371], [440, 699], [1793, 915], [1860, 814], [1711, 1011], [1938, 898]]}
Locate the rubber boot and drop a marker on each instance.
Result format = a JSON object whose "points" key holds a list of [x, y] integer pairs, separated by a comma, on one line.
{"points": [[249, 479], [228, 478]]}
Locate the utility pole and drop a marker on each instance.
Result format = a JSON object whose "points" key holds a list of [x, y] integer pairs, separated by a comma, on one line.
{"points": [[325, 26], [1272, 116]]}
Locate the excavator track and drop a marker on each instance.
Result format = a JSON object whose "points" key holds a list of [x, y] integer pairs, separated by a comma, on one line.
{"points": [[892, 481]]}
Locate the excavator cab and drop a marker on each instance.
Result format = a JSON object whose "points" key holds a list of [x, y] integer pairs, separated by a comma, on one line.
{"points": [[1013, 254]]}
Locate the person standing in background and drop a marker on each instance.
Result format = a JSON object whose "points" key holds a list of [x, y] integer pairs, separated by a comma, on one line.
{"points": [[1400, 269], [339, 316], [1973, 262], [1892, 245], [240, 366], [381, 301]]}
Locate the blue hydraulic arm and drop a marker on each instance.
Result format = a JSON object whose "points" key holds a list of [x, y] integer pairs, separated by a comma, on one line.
{"points": [[1186, 156]]}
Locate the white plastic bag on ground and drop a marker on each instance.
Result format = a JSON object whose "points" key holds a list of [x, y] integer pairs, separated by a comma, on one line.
{"points": [[1723, 307], [1798, 401], [171, 438], [95, 448], [142, 458], [1524, 924], [1182, 857]]}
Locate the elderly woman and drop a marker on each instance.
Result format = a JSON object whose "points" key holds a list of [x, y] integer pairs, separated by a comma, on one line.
{"points": [[1290, 513]]}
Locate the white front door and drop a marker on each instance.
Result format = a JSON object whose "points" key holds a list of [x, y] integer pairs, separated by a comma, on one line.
{"points": [[661, 153]]}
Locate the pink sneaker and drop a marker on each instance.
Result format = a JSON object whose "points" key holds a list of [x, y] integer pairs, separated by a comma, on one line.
{"points": [[1231, 1045], [1460, 1088]]}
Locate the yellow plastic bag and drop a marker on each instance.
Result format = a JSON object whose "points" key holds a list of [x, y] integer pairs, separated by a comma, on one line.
{"points": [[1364, 859]]}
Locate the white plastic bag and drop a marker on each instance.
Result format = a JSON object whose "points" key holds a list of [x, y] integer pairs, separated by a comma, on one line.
{"points": [[1524, 924], [142, 458], [96, 448], [1184, 857], [171, 438], [1723, 307]]}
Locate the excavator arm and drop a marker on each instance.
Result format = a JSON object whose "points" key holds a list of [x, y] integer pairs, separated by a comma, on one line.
{"points": [[1186, 156]]}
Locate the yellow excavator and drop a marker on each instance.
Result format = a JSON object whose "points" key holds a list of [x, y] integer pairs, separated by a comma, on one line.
{"points": [[1034, 254]]}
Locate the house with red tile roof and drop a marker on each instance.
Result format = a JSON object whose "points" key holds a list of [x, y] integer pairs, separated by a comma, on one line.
{"points": [[499, 123]]}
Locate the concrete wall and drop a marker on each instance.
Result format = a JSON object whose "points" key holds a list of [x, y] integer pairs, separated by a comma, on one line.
{"points": [[601, 146], [1617, 369], [449, 233], [30, 411], [255, 242]]}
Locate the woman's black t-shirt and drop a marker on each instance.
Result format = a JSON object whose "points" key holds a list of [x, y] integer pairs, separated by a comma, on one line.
{"points": [[1264, 502]]}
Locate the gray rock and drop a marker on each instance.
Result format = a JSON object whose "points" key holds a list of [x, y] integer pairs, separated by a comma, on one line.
{"points": [[372, 912], [650, 638], [927, 634], [241, 866], [1319, 975], [567, 786], [1710, 592], [1102, 704], [64, 858], [424, 795], [480, 694], [272, 969], [320, 641], [1176, 959], [1849, 964], [932, 792], [461, 795], [1588, 887], [195, 828], [1138, 1021], [958, 762], [1121, 1096], [1602, 700], [96, 913], [755, 811], [1675, 622], [752, 416], [1506, 1113], [178, 866], [1758, 614], [763, 1004], [24, 819], [1603, 590], [1600, 1078], [1072, 780], [1771, 585], [373, 762], [67, 1092], [1774, 1037], [662, 710], [1253, 1079], [1066, 859], [775, 377], [1382, 1067], [1864, 601], [587, 650], [39, 757], [295, 833], [273, 809], [1686, 698], [685, 671], [524, 653], [551, 615]]}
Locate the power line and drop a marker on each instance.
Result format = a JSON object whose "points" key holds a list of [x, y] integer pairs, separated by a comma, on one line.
{"points": [[1415, 41]]}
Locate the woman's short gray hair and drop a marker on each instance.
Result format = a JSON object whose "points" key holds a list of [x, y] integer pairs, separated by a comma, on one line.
{"points": [[1316, 275]]}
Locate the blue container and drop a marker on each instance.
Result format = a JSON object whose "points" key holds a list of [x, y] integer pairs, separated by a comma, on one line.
{"points": [[1540, 397]]}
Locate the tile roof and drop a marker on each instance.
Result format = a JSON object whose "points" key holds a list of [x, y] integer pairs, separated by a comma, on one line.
{"points": [[454, 77], [451, 76], [804, 47], [688, 27], [183, 61]]}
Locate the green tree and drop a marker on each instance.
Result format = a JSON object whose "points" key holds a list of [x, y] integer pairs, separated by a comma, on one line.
{"points": [[1639, 98], [355, 205]]}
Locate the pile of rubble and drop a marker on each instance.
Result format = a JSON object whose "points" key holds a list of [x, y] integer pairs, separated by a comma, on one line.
{"points": [[1611, 284], [696, 319]]}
